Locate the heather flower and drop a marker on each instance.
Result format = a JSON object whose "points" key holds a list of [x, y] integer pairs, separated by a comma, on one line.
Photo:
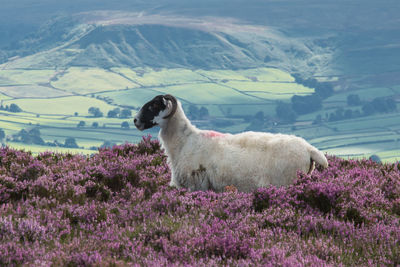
{"points": [[91, 258], [30, 230], [6, 228], [116, 208]]}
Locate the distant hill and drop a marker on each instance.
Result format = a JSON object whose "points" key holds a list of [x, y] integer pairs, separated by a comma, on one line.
{"points": [[116, 39]]}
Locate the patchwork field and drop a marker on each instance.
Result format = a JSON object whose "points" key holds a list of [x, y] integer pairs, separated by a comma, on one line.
{"points": [[56, 101]]}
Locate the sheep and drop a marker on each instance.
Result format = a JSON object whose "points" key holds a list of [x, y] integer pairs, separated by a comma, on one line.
{"points": [[209, 160]]}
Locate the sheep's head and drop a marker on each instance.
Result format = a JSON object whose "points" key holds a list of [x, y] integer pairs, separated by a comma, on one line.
{"points": [[155, 112]]}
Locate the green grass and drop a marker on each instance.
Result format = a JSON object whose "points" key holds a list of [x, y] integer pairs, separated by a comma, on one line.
{"points": [[237, 128], [208, 93], [32, 91], [271, 90], [223, 75], [258, 74], [389, 155], [60, 106], [91, 80], [151, 77], [355, 139], [380, 121], [4, 97], [36, 149], [213, 110], [248, 110], [132, 97], [328, 138], [22, 76], [268, 75], [396, 89], [365, 94], [58, 128], [88, 133], [385, 151]]}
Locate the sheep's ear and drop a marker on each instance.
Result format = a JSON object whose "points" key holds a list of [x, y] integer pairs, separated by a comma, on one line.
{"points": [[174, 103]]}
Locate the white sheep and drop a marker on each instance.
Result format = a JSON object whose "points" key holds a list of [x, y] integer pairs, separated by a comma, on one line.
{"points": [[208, 160]]}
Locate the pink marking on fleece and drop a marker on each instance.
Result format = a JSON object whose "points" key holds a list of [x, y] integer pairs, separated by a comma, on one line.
{"points": [[211, 134]]}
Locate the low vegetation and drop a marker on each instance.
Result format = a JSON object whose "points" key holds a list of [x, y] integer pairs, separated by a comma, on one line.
{"points": [[115, 208]]}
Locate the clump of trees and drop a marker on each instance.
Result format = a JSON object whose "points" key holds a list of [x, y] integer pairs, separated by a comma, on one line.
{"points": [[31, 136], [257, 122], [353, 100], [81, 124], [2, 135], [107, 144], [125, 125], [379, 105], [95, 112], [306, 104], [114, 113], [118, 113], [285, 112], [300, 105], [12, 108], [70, 142], [195, 113]]}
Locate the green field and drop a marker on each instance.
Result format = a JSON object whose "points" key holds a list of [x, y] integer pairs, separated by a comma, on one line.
{"points": [[259, 74], [4, 97], [25, 77], [160, 77], [132, 97], [90, 80], [209, 93], [29, 91], [364, 94], [56, 101], [60, 105]]}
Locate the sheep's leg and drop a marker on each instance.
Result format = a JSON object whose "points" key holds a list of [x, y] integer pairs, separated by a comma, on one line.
{"points": [[312, 166]]}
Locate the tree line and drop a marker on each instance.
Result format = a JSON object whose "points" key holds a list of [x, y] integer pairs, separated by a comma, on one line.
{"points": [[300, 105], [114, 113]]}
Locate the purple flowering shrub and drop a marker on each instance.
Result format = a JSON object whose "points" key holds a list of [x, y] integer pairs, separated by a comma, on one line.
{"points": [[115, 208]]}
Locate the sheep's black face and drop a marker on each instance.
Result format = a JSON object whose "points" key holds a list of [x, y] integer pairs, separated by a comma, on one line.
{"points": [[150, 114]]}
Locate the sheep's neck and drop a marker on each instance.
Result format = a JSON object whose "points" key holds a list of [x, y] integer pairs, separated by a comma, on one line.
{"points": [[175, 133]]}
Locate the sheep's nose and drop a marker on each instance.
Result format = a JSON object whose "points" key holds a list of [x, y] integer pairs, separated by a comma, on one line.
{"points": [[135, 120]]}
